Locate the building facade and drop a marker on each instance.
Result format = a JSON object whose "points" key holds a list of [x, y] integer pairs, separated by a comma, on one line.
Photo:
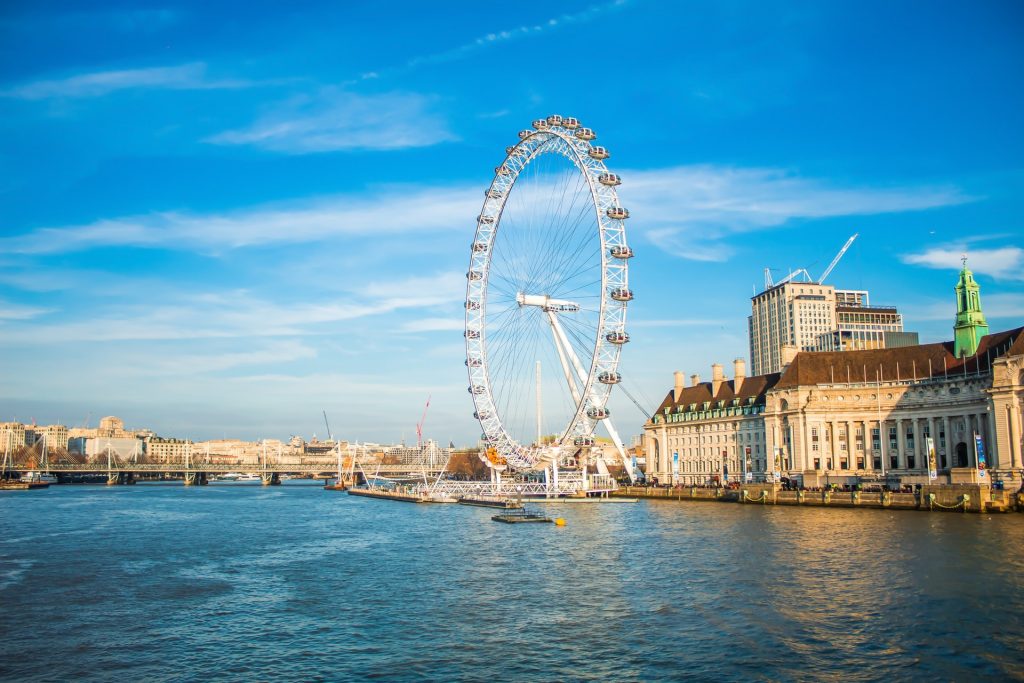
{"points": [[708, 432], [853, 416]]}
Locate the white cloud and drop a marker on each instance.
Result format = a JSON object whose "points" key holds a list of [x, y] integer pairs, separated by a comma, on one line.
{"points": [[498, 37], [236, 314], [9, 311], [693, 210], [1000, 262], [336, 120], [96, 84], [392, 211]]}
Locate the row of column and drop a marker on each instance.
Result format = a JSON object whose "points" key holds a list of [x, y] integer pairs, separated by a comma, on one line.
{"points": [[963, 426]]}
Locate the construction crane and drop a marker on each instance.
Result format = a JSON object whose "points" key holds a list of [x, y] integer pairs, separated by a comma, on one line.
{"points": [[769, 283], [836, 259], [419, 425], [328, 424]]}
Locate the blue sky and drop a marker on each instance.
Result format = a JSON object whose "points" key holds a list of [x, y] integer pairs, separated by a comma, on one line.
{"points": [[219, 219]]}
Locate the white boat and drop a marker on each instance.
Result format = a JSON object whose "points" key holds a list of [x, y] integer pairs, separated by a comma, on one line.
{"points": [[230, 476], [249, 477], [36, 477]]}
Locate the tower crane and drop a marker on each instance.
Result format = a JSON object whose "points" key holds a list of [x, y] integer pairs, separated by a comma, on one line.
{"points": [[419, 425], [836, 259]]}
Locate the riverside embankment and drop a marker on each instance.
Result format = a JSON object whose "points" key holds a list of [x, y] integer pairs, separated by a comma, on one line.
{"points": [[959, 498]]}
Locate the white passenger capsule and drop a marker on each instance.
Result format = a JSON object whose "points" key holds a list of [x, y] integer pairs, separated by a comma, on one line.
{"points": [[621, 251], [541, 124], [554, 120], [479, 247], [523, 134], [474, 275], [585, 134], [570, 123], [598, 413], [583, 441], [485, 220], [609, 179], [609, 378], [618, 212], [472, 305], [471, 334], [494, 193], [622, 294], [473, 362], [477, 390], [617, 337], [599, 153]]}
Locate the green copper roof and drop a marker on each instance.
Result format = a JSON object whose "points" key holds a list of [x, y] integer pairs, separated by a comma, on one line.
{"points": [[970, 324]]}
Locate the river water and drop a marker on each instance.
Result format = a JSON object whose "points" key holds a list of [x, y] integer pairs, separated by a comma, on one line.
{"points": [[240, 582]]}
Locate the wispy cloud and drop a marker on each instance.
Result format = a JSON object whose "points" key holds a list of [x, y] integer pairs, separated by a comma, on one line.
{"points": [[695, 209], [9, 311], [390, 211], [1000, 262], [507, 35], [98, 83], [335, 119], [237, 314]]}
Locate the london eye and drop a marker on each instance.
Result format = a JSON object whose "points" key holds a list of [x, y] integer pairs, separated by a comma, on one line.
{"points": [[546, 299]]}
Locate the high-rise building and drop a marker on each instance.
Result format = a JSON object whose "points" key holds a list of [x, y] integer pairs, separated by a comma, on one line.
{"points": [[809, 316]]}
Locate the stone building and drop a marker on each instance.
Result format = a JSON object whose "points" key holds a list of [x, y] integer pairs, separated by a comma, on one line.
{"points": [[854, 416], [707, 431]]}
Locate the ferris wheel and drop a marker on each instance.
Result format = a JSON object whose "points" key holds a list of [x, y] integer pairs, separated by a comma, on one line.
{"points": [[547, 287]]}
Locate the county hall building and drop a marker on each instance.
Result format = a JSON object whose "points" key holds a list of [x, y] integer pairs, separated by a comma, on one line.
{"points": [[846, 417]]}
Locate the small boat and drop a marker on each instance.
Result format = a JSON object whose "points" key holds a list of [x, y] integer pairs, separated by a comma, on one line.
{"points": [[230, 476], [18, 485], [520, 516], [249, 477], [491, 502], [39, 478]]}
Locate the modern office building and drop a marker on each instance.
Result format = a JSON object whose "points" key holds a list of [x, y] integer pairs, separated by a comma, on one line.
{"points": [[809, 316]]}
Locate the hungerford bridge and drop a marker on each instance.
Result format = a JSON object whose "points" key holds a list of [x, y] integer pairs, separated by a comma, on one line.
{"points": [[199, 469]]}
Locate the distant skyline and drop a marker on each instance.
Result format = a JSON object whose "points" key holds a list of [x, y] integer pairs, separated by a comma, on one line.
{"points": [[221, 220]]}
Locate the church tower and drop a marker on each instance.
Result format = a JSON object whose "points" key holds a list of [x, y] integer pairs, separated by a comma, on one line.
{"points": [[970, 324]]}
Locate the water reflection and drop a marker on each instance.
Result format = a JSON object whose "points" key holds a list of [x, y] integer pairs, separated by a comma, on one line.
{"points": [[299, 583]]}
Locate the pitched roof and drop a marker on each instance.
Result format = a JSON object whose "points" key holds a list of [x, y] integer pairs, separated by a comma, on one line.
{"points": [[907, 362], [752, 387]]}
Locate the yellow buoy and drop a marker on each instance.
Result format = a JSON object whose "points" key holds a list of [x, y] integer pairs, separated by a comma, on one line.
{"points": [[559, 521]]}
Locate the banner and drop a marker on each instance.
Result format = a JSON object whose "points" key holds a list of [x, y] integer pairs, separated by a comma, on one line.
{"points": [[675, 466], [725, 466], [933, 471], [777, 473], [979, 450], [748, 474]]}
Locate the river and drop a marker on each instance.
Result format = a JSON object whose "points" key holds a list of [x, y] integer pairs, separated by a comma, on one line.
{"points": [[241, 582]]}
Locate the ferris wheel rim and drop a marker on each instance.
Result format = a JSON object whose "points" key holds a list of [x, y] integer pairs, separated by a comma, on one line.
{"points": [[588, 160]]}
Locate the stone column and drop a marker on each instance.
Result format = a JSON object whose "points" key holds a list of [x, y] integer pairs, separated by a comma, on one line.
{"points": [[1015, 436], [915, 425], [901, 445], [882, 438], [948, 438], [869, 454]]}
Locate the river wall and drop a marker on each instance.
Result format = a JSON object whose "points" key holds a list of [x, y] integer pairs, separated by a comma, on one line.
{"points": [[958, 497]]}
